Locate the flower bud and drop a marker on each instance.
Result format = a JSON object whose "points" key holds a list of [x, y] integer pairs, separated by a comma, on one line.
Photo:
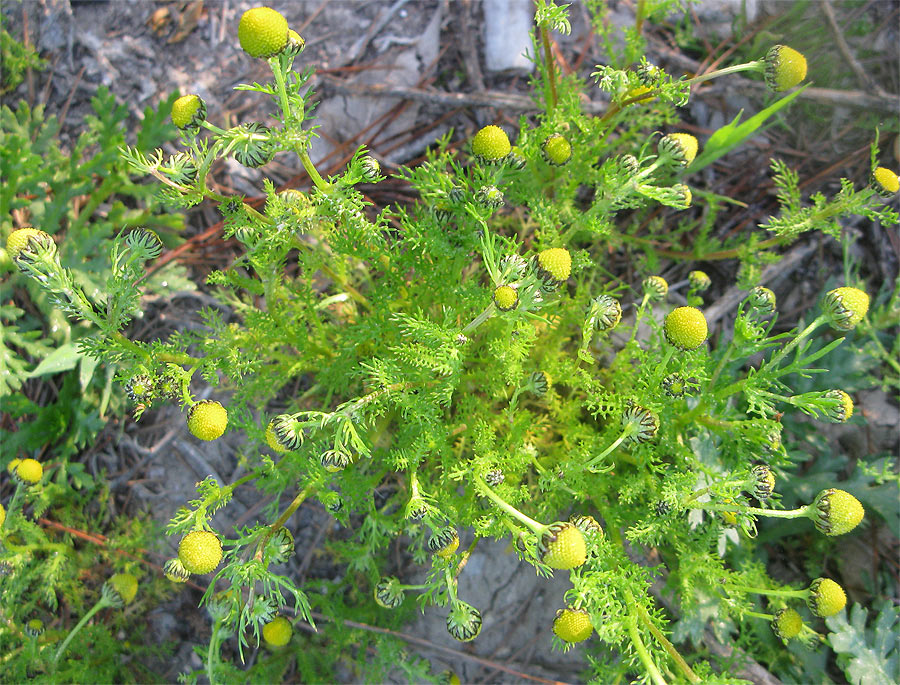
{"points": [[699, 280], [682, 147], [494, 477], [763, 481], [674, 385], [25, 239], [388, 593], [175, 571], [655, 287], [605, 312], [645, 423], [539, 382], [280, 546], [140, 388], [464, 621], [762, 300], [295, 43], [444, 542], [684, 197], [334, 460], [845, 307], [371, 169], [843, 410], [489, 196]]}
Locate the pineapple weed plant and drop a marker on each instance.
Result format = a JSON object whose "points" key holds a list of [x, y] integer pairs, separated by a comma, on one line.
{"points": [[482, 367], [62, 539]]}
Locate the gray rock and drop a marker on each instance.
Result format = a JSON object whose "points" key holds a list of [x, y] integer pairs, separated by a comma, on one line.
{"points": [[507, 24]]}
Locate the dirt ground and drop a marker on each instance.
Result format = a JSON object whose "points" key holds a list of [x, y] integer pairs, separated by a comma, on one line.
{"points": [[430, 50]]}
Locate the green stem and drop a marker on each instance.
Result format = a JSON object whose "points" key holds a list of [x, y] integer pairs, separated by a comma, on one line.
{"points": [[885, 355], [802, 512], [551, 71], [629, 430], [278, 72], [797, 594], [480, 319], [639, 647], [818, 321], [317, 179], [668, 646], [537, 528], [102, 603], [212, 651], [756, 614], [758, 65]]}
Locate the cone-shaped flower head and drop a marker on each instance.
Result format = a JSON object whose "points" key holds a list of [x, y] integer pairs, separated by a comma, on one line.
{"points": [[19, 239], [564, 546], [837, 512], [188, 111], [554, 265], [572, 625], [785, 68], [885, 182], [29, 471], [826, 597], [556, 149], [207, 420], [787, 624], [125, 585], [506, 298], [686, 328], [491, 144], [262, 32], [277, 632], [200, 551]]}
